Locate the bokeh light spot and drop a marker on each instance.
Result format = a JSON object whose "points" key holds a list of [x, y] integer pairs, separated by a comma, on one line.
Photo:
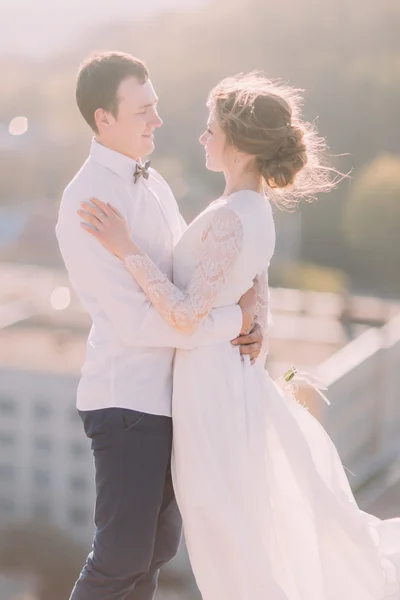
{"points": [[18, 126], [60, 298]]}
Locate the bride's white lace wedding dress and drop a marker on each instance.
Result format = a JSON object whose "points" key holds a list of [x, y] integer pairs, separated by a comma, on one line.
{"points": [[267, 509]]}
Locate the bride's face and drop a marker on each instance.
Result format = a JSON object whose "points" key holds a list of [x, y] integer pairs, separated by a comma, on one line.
{"points": [[218, 152]]}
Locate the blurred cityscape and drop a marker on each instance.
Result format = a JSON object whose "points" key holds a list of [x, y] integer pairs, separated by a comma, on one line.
{"points": [[335, 295]]}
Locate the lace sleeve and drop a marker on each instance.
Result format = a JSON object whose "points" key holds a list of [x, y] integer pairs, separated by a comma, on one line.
{"points": [[262, 309], [184, 309]]}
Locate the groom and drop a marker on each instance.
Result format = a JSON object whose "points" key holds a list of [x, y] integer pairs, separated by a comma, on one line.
{"points": [[124, 395]]}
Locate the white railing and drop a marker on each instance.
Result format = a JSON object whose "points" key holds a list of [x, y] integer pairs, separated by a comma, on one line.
{"points": [[364, 417]]}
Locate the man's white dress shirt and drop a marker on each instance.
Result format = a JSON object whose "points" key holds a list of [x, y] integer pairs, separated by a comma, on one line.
{"points": [[130, 349]]}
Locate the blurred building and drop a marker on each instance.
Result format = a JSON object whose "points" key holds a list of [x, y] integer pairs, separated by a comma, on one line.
{"points": [[45, 461]]}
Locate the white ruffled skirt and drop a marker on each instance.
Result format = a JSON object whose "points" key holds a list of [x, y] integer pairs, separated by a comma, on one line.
{"points": [[267, 508]]}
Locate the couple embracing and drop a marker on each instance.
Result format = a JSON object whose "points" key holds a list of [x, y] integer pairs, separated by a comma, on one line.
{"points": [[179, 340]]}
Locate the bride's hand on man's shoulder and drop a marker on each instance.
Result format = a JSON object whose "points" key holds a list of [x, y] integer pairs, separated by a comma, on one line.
{"points": [[106, 224]]}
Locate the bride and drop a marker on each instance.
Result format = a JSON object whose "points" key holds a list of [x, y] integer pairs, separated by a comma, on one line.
{"points": [[267, 508]]}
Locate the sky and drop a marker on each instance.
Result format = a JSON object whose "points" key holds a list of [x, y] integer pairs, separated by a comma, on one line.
{"points": [[39, 28]]}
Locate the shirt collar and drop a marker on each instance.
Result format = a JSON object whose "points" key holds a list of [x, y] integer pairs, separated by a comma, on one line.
{"points": [[118, 163]]}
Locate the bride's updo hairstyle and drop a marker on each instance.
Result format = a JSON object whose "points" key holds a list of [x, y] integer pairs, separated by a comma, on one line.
{"points": [[262, 118]]}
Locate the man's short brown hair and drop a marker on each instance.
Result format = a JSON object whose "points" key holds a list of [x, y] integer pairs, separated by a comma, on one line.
{"points": [[99, 78]]}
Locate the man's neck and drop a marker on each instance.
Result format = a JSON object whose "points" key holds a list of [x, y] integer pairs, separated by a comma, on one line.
{"points": [[115, 148]]}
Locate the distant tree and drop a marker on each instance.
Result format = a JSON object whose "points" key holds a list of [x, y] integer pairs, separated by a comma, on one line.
{"points": [[371, 225], [44, 551]]}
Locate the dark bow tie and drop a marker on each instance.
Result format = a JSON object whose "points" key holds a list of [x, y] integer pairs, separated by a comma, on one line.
{"points": [[142, 171]]}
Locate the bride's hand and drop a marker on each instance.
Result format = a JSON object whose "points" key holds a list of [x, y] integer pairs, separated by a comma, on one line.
{"points": [[106, 224]]}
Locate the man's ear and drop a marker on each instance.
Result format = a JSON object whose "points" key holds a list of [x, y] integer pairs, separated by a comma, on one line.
{"points": [[102, 118]]}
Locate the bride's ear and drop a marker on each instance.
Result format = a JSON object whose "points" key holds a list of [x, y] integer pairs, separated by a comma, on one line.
{"points": [[242, 158]]}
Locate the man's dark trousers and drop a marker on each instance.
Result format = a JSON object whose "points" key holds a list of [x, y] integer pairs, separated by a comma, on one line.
{"points": [[138, 526]]}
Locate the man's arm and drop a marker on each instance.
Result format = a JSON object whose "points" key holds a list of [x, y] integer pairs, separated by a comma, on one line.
{"points": [[96, 273]]}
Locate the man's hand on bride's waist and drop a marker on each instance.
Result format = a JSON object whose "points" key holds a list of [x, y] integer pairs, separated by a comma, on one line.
{"points": [[250, 343]]}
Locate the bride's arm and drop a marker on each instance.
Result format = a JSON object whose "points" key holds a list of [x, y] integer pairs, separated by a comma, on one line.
{"points": [[184, 309], [262, 310]]}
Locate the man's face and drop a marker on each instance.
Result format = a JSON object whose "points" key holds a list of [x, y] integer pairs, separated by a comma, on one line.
{"points": [[132, 131]]}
